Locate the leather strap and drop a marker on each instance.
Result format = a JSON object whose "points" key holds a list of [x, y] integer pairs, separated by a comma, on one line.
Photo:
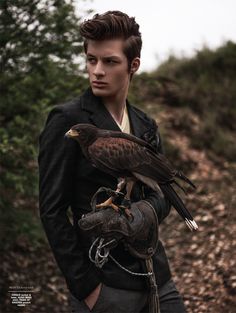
{"points": [[154, 306]]}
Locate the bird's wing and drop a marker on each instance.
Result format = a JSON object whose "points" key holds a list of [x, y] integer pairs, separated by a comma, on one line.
{"points": [[130, 137], [114, 153], [150, 150], [158, 167], [120, 154]]}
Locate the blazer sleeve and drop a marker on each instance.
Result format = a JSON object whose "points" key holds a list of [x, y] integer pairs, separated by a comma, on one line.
{"points": [[56, 159], [159, 202]]}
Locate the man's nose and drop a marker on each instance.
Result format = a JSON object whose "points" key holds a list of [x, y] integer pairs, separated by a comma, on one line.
{"points": [[99, 70]]}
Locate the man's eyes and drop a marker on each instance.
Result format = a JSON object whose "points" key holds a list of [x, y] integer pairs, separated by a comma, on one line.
{"points": [[91, 60], [110, 61], [106, 61]]}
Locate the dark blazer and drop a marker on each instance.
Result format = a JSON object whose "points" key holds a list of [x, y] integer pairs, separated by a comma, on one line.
{"points": [[67, 180]]}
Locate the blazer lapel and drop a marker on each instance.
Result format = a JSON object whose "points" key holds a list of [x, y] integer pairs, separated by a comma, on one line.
{"points": [[139, 124], [101, 117]]}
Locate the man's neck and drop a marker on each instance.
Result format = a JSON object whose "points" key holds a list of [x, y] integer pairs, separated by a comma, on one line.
{"points": [[116, 107]]}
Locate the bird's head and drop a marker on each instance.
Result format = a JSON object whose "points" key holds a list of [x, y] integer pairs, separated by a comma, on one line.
{"points": [[85, 134]]}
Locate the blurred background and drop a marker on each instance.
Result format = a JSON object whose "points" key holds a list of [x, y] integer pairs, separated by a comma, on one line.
{"points": [[187, 82]]}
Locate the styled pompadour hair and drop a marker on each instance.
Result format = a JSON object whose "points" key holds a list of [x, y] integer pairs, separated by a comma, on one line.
{"points": [[114, 25]]}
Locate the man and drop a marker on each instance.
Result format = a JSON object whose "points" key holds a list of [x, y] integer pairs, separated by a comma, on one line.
{"points": [[112, 43]]}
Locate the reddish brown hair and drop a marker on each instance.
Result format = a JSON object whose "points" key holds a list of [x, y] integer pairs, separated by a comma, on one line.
{"points": [[113, 25]]}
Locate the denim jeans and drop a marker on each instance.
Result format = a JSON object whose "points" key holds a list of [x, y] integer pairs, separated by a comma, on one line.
{"points": [[113, 300]]}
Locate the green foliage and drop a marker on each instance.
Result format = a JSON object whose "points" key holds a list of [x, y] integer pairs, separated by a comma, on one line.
{"points": [[39, 41], [20, 224], [205, 84]]}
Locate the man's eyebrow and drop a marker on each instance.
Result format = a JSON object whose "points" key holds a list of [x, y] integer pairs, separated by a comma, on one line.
{"points": [[106, 57], [111, 57], [90, 55]]}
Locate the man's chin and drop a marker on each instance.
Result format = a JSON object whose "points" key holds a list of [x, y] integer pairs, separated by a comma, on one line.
{"points": [[100, 92]]}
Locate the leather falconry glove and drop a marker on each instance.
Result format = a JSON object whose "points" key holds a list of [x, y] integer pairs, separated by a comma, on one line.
{"points": [[139, 233]]}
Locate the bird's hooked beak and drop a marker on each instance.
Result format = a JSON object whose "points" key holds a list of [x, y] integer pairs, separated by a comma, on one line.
{"points": [[72, 133]]}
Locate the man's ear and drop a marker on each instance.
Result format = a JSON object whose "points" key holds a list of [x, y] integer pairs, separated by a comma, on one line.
{"points": [[135, 65]]}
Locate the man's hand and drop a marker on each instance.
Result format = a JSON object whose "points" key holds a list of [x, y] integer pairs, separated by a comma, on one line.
{"points": [[93, 297]]}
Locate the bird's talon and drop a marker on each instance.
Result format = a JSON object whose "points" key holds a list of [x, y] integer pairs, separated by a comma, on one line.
{"points": [[115, 207], [125, 211], [114, 194], [108, 203], [128, 213]]}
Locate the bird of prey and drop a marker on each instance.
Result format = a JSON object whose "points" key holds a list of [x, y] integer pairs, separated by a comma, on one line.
{"points": [[129, 158]]}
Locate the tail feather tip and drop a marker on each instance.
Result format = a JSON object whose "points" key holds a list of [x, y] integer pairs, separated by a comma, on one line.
{"points": [[191, 224]]}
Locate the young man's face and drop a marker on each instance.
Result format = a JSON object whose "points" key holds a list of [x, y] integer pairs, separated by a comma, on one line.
{"points": [[107, 67]]}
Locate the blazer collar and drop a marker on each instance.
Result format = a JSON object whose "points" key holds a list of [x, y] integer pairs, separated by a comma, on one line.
{"points": [[101, 117]]}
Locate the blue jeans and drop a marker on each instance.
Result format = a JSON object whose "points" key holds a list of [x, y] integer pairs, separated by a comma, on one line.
{"points": [[113, 300]]}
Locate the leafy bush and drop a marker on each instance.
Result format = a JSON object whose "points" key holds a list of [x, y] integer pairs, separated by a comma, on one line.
{"points": [[205, 84]]}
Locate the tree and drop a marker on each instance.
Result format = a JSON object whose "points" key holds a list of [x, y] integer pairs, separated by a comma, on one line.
{"points": [[39, 67]]}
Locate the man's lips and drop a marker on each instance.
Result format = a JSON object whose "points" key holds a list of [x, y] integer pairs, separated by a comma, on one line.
{"points": [[98, 83]]}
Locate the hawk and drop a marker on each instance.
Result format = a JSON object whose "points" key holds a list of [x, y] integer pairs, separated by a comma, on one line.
{"points": [[129, 158]]}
